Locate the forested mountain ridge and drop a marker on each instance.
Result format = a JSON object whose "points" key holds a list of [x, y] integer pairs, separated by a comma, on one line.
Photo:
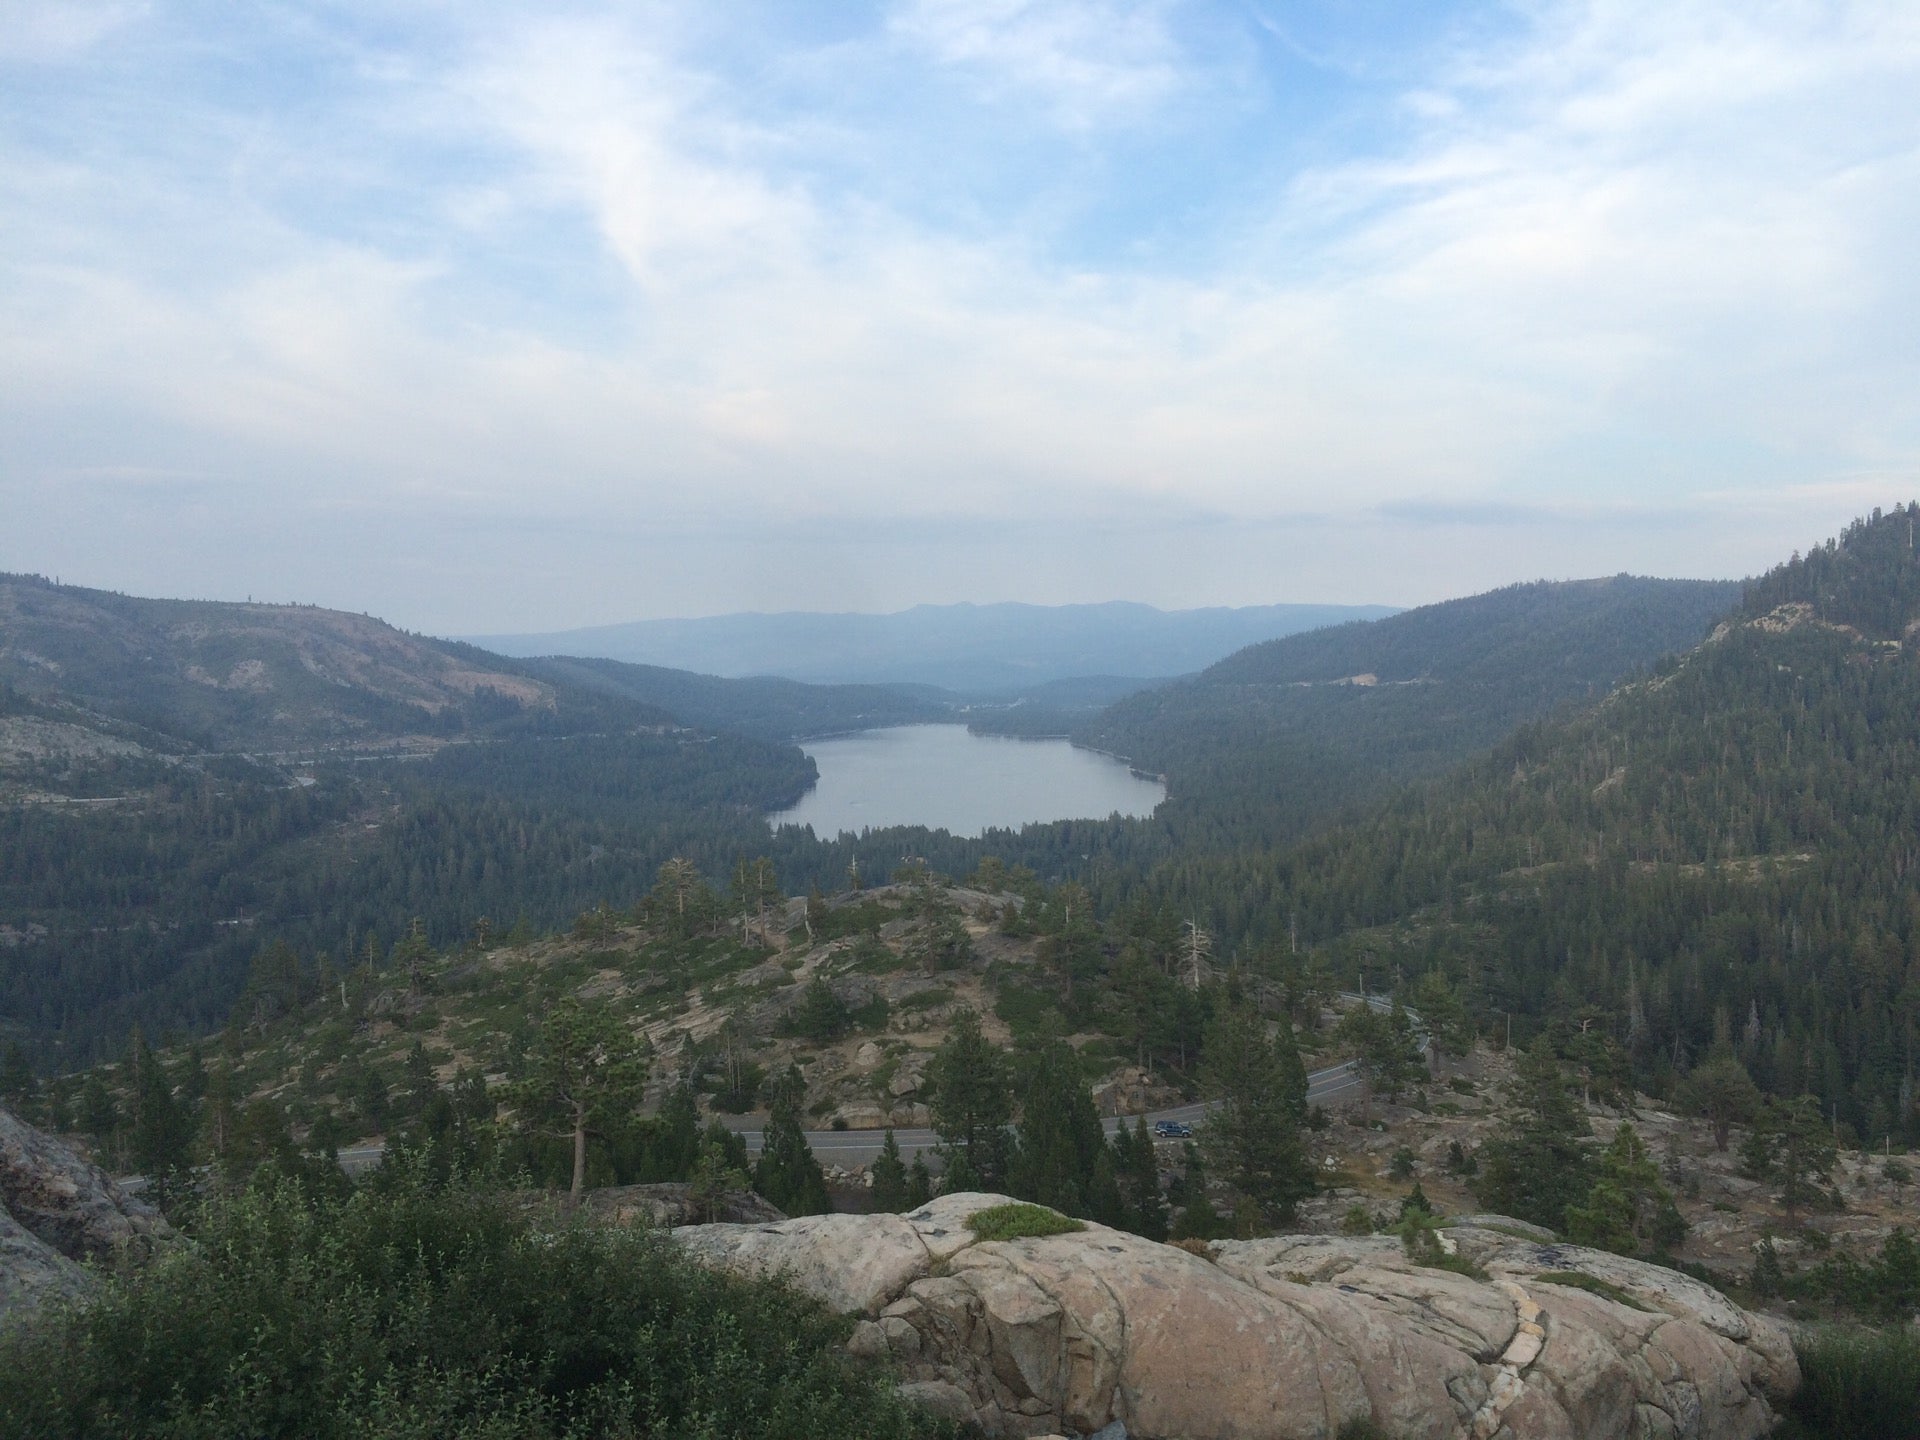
{"points": [[184, 779], [766, 707], [1278, 737], [1728, 845], [220, 676]]}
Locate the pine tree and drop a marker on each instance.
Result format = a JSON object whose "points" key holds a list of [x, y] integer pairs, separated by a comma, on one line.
{"points": [[889, 1173], [1768, 1277], [160, 1139], [1198, 1218], [1720, 1089], [1442, 1015], [1538, 1165], [919, 1184], [586, 1073], [1628, 1210], [1253, 1137], [99, 1116], [1137, 1169], [787, 1173], [823, 1017], [1384, 1051], [1792, 1145], [676, 1144], [972, 1103], [717, 1170], [1896, 1275], [1060, 1142]]}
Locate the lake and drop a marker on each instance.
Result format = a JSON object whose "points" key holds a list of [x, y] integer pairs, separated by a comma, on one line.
{"points": [[946, 778]]}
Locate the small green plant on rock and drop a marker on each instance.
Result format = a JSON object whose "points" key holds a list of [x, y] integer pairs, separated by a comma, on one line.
{"points": [[1020, 1221], [1420, 1235]]}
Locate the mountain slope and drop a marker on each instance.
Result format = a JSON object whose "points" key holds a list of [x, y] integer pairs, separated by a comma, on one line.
{"points": [[223, 676], [765, 707], [974, 649], [1730, 844], [181, 781], [1277, 736]]}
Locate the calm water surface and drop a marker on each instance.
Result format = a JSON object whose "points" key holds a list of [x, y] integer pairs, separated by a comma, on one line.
{"points": [[943, 777]]}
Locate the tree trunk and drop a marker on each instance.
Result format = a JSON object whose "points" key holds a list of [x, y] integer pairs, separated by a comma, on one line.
{"points": [[579, 1153]]}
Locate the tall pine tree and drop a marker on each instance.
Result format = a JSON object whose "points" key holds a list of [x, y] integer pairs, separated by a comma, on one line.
{"points": [[1253, 1137], [787, 1173], [972, 1103], [1061, 1159]]}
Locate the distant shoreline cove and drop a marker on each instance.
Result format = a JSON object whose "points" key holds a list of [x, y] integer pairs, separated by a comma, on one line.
{"points": [[944, 776]]}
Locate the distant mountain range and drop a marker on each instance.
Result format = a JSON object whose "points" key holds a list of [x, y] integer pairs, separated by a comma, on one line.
{"points": [[975, 650]]}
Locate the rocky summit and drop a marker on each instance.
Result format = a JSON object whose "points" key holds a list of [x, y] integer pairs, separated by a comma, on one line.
{"points": [[58, 1210], [1506, 1337]]}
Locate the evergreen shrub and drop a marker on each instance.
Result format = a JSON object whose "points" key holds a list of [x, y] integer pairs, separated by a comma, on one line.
{"points": [[409, 1311]]}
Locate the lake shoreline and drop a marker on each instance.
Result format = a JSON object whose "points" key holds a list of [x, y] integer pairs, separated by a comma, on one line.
{"points": [[945, 776]]}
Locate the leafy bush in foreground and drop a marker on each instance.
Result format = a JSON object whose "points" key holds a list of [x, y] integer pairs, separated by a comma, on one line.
{"points": [[408, 1312], [1856, 1385]]}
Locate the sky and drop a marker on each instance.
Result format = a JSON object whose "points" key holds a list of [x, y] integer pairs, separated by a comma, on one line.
{"points": [[495, 317]]}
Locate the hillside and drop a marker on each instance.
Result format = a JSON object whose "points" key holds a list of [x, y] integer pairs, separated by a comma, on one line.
{"points": [[976, 650], [271, 678], [859, 990], [1271, 740], [1725, 846], [180, 781], [765, 707]]}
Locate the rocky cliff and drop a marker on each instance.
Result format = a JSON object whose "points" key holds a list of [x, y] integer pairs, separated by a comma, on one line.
{"points": [[58, 1210], [1295, 1336]]}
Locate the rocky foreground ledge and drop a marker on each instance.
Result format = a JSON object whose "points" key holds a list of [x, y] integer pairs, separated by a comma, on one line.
{"points": [[57, 1211], [1294, 1336]]}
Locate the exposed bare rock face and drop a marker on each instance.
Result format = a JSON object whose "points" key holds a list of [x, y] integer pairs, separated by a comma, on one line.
{"points": [[1292, 1337], [58, 1209]]}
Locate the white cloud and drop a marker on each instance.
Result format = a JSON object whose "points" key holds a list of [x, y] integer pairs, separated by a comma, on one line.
{"points": [[47, 31], [1630, 263], [1084, 61]]}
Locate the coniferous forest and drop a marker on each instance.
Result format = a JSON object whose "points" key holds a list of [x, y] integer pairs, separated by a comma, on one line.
{"points": [[1685, 870], [1723, 844]]}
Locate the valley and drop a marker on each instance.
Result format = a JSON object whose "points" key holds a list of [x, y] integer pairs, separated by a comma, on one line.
{"points": [[1625, 866]]}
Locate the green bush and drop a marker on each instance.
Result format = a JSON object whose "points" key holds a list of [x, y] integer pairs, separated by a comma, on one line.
{"points": [[1856, 1385], [407, 1312], [1019, 1221]]}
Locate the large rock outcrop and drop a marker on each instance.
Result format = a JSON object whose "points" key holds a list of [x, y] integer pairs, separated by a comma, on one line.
{"points": [[1292, 1337], [57, 1210]]}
